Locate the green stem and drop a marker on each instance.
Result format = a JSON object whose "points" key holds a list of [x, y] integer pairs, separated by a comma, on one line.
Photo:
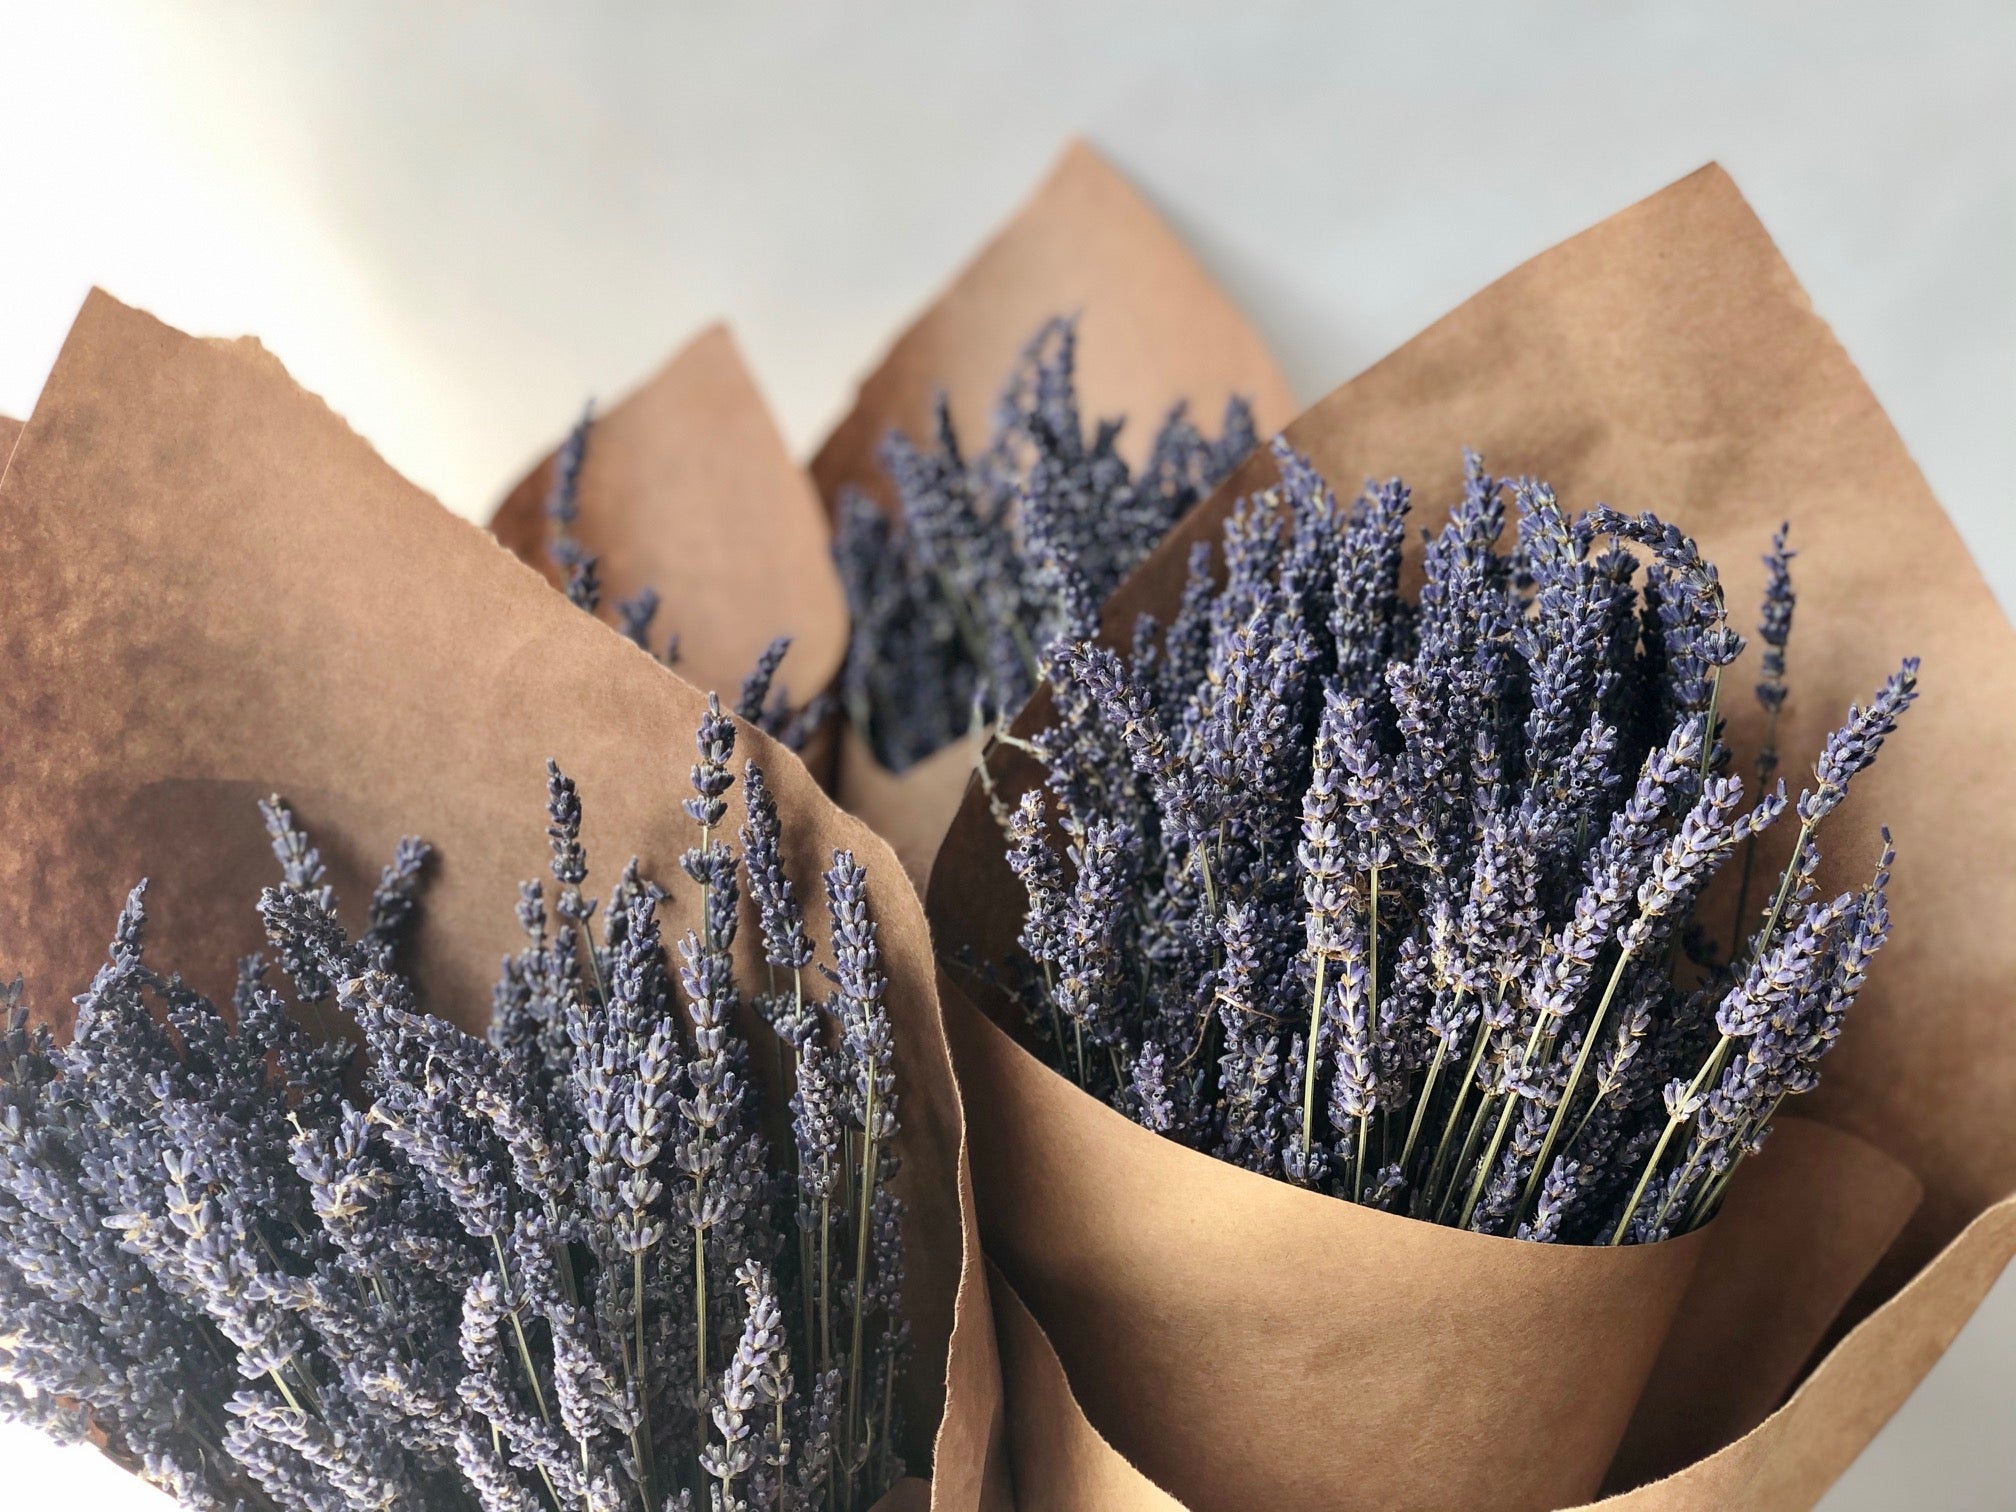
{"points": [[1455, 1118], [825, 1281], [1534, 1177], [1708, 737], [1708, 1067], [1644, 1180], [863, 1221], [1666, 1203], [700, 1305], [518, 1329], [641, 1437], [1771, 922], [1427, 1096], [1371, 1005], [1309, 1059], [286, 1391], [1504, 1124]]}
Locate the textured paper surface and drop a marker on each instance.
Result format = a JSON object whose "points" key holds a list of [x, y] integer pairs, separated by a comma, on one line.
{"points": [[1059, 1458], [1806, 1222], [1668, 360], [220, 591], [1154, 328], [688, 488], [910, 809]]}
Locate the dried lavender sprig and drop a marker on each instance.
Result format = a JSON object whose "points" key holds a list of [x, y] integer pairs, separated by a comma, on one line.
{"points": [[1774, 629]]}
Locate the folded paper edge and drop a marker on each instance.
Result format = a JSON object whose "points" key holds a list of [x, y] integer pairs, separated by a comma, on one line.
{"points": [[1077, 156], [1049, 1432]]}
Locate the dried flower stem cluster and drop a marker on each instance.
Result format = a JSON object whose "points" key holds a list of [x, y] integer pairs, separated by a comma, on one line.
{"points": [[955, 599], [1385, 896], [558, 1268]]}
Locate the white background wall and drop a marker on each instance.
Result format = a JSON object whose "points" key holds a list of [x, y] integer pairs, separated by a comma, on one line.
{"points": [[455, 221]]}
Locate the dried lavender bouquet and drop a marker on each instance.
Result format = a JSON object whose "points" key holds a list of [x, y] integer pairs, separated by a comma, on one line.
{"points": [[956, 596], [1386, 896], [559, 1268]]}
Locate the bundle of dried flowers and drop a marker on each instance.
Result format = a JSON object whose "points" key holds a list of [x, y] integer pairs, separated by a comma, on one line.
{"points": [[559, 1268], [954, 598], [1386, 896]]}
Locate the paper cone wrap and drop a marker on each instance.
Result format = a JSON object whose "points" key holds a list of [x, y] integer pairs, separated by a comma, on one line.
{"points": [[1666, 360], [688, 488]]}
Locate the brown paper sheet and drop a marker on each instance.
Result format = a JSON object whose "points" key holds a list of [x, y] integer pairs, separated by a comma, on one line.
{"points": [[1059, 1458], [688, 488], [909, 809], [220, 591], [1154, 327], [1806, 1222], [1062, 1461], [1247, 1343], [1668, 360], [9, 429]]}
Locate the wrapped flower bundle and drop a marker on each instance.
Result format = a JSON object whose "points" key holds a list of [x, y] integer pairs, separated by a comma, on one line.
{"points": [[1083, 312], [469, 1285], [673, 1212], [1164, 891]]}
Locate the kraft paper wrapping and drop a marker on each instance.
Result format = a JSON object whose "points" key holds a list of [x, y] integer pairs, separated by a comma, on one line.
{"points": [[689, 489], [221, 591], [1665, 360]]}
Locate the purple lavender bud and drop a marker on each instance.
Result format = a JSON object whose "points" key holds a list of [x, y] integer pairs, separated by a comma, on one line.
{"points": [[755, 695], [1853, 747], [1093, 936], [634, 616], [584, 582], [785, 942], [715, 742], [1774, 628]]}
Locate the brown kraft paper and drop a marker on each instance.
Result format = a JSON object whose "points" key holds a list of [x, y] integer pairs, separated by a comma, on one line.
{"points": [[688, 489], [1665, 360], [1061, 1460], [221, 591]]}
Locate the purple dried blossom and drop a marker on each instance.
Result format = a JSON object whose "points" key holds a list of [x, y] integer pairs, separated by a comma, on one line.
{"points": [[1850, 749], [634, 616], [993, 557], [1774, 629]]}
